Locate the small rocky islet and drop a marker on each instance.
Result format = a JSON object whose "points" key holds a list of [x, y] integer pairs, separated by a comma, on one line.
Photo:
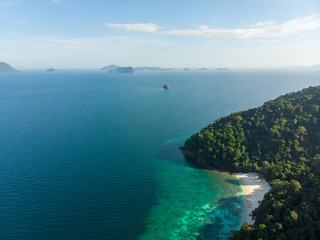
{"points": [[51, 70], [166, 86]]}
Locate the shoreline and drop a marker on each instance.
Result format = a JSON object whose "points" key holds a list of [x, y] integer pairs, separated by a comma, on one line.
{"points": [[253, 187], [253, 190]]}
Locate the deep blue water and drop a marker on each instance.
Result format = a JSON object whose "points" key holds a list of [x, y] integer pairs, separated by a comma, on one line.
{"points": [[91, 155]]}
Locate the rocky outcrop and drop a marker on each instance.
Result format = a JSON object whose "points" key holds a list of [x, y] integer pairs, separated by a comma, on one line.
{"points": [[166, 86]]}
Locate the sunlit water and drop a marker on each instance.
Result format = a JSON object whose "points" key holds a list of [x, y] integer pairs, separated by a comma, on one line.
{"points": [[90, 155]]}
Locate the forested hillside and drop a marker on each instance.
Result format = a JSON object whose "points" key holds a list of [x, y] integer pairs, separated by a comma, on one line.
{"points": [[281, 141]]}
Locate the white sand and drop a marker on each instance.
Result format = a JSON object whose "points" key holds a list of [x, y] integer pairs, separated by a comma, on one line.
{"points": [[254, 190]]}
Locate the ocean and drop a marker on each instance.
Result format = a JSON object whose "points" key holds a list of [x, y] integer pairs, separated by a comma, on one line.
{"points": [[90, 155]]}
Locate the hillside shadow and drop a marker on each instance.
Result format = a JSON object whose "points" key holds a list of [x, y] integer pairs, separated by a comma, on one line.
{"points": [[171, 152], [233, 182], [254, 190]]}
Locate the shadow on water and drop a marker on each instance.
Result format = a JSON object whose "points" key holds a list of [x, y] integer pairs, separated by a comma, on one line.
{"points": [[171, 152], [233, 181], [238, 183], [227, 209], [215, 227]]}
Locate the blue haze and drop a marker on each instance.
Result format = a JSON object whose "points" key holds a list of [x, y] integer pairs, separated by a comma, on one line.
{"points": [[86, 155]]}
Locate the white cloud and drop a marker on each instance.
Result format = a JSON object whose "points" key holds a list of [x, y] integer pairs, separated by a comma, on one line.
{"points": [[267, 29], [264, 40], [83, 44], [264, 23], [136, 27], [46, 51]]}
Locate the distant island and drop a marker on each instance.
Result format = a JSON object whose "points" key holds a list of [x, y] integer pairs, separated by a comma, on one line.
{"points": [[109, 67], [51, 70], [6, 68], [186, 69], [297, 67], [222, 69], [202, 69], [122, 70], [153, 69], [137, 69], [281, 141]]}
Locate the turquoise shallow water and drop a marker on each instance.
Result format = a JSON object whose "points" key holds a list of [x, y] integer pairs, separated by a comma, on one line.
{"points": [[192, 203], [89, 155]]}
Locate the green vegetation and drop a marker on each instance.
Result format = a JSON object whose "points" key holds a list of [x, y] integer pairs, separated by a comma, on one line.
{"points": [[281, 141]]}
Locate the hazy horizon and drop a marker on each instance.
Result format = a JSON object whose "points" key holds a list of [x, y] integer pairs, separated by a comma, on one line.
{"points": [[289, 67], [69, 34]]}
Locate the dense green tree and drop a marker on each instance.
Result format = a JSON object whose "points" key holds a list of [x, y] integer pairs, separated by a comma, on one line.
{"points": [[280, 140]]}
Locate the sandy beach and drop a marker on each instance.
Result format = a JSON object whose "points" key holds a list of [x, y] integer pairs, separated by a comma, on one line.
{"points": [[254, 190]]}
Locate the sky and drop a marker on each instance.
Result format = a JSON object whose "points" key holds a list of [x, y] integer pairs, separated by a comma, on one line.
{"points": [[83, 34]]}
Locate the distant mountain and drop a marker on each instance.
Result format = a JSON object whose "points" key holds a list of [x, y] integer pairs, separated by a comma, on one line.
{"points": [[6, 68], [139, 69], [222, 69], [202, 69], [109, 67], [317, 66], [51, 70], [122, 70]]}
